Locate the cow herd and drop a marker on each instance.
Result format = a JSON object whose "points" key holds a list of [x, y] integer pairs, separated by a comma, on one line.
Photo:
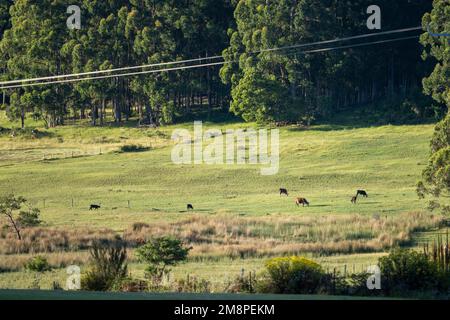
{"points": [[283, 191], [302, 201]]}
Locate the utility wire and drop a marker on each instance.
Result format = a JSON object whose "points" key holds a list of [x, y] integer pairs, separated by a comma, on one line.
{"points": [[353, 45], [197, 66], [200, 65], [204, 58], [114, 75], [345, 39]]}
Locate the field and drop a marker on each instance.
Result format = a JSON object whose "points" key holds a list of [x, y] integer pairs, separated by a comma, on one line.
{"points": [[239, 218]]}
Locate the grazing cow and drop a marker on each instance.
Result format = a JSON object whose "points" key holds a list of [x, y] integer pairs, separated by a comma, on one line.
{"points": [[283, 191], [190, 207], [354, 198], [362, 193], [301, 201], [94, 207]]}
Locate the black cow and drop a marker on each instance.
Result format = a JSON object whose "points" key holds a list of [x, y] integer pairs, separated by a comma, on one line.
{"points": [[362, 193], [283, 191], [94, 207], [190, 207]]}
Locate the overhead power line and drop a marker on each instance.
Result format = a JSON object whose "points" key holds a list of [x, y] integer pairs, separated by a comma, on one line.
{"points": [[367, 35], [25, 82], [109, 70], [115, 75], [355, 45], [210, 58]]}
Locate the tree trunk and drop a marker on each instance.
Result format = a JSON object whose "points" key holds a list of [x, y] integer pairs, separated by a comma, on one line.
{"points": [[22, 117], [16, 228], [141, 116], [94, 114], [102, 111], [209, 97]]}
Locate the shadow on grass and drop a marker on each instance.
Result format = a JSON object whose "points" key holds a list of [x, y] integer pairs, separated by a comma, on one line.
{"points": [[369, 202], [217, 115], [27, 133], [196, 210], [359, 119], [319, 205]]}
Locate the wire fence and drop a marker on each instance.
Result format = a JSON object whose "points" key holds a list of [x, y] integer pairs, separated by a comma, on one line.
{"points": [[75, 203], [71, 154]]}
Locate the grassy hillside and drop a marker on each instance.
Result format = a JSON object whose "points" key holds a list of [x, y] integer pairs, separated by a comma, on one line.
{"points": [[325, 166], [238, 212]]}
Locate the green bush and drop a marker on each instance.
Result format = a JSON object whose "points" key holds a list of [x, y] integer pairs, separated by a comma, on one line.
{"points": [[404, 270], [108, 266], [161, 253], [38, 264], [294, 275], [133, 148]]}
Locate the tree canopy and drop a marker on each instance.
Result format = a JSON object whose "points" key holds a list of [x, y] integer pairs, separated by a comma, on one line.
{"points": [[256, 84], [113, 34], [294, 85], [436, 176]]}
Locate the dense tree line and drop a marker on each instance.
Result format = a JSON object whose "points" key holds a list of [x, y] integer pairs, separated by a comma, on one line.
{"points": [[259, 85], [321, 84], [113, 34]]}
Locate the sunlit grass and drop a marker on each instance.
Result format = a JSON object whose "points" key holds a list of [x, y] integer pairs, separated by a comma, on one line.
{"points": [[68, 168]]}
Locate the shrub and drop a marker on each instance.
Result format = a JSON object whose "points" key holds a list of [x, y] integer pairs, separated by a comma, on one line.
{"points": [[108, 266], [38, 264], [406, 270], [356, 285], [133, 148], [293, 275], [159, 254]]}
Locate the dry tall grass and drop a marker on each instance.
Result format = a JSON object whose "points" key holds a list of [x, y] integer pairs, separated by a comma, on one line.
{"points": [[269, 236], [36, 240], [215, 237], [15, 262]]}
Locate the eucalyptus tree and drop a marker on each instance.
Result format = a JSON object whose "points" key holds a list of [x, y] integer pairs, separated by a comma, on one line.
{"points": [[31, 48], [296, 85], [436, 176], [437, 47]]}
